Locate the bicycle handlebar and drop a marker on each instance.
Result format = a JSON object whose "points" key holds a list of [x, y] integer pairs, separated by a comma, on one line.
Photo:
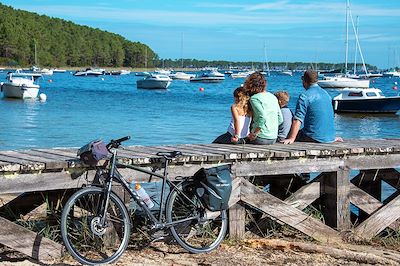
{"points": [[117, 142]]}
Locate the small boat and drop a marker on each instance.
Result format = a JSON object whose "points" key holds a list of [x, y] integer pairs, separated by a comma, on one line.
{"points": [[287, 72], [90, 72], [242, 74], [43, 71], [154, 81], [391, 73], [181, 76], [342, 82], [210, 76], [360, 100], [117, 72], [142, 74], [21, 85], [57, 70]]}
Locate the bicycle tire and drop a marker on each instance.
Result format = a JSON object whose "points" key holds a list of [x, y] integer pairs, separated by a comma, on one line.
{"points": [[85, 240], [196, 236]]}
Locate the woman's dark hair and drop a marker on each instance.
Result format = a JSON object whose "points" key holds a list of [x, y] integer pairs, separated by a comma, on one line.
{"points": [[255, 83]]}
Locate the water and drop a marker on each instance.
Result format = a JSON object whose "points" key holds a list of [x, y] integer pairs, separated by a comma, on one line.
{"points": [[79, 109]]}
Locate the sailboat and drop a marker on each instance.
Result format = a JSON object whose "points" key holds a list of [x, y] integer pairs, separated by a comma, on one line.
{"points": [[344, 81], [266, 70]]}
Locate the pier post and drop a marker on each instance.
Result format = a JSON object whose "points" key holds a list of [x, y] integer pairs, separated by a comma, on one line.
{"points": [[335, 188]]}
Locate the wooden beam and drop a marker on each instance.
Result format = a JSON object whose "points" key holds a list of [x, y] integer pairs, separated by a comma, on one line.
{"points": [[237, 215], [285, 213], [304, 196], [335, 200], [379, 220], [28, 242]]}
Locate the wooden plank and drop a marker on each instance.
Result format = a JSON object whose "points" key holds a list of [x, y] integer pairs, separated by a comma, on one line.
{"points": [[379, 220], [237, 215], [29, 243], [228, 153], [20, 183], [283, 212], [275, 167], [51, 161], [335, 200], [24, 164], [209, 156], [363, 200], [304, 196], [373, 161]]}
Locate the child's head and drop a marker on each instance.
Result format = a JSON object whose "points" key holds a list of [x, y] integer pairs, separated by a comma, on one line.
{"points": [[283, 98], [241, 99]]}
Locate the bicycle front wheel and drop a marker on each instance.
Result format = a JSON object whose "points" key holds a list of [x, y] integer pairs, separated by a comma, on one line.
{"points": [[205, 231], [86, 238]]}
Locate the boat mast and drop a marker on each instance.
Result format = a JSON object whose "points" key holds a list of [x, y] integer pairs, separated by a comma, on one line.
{"points": [[355, 54], [182, 51], [358, 43], [35, 54], [145, 58], [266, 59], [347, 36]]}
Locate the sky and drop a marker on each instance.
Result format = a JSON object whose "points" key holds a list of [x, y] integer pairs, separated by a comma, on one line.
{"points": [[290, 30]]}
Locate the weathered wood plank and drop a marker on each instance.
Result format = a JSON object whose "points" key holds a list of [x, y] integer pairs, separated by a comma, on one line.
{"points": [[336, 204], [275, 167], [24, 164], [373, 161], [304, 196], [283, 212], [237, 214], [21, 183], [363, 200], [28, 242], [379, 220]]}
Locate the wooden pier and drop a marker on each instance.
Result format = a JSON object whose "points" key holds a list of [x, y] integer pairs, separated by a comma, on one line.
{"points": [[272, 179]]}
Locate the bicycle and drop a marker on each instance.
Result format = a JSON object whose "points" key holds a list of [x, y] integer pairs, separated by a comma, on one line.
{"points": [[96, 225]]}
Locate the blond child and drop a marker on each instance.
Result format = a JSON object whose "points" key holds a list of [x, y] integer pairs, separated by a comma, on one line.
{"points": [[239, 127]]}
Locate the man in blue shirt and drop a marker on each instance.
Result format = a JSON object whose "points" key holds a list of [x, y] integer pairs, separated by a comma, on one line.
{"points": [[314, 111]]}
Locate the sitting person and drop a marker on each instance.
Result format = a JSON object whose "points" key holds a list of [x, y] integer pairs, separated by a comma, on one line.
{"points": [[284, 128], [314, 112], [239, 127], [267, 115]]}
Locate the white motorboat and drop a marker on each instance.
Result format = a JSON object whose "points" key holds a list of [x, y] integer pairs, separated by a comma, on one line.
{"points": [[142, 74], [287, 72], [210, 76], [57, 70], [181, 76], [162, 72], [359, 100], [241, 74], [44, 71], [154, 81], [90, 72], [343, 82], [391, 74], [21, 85]]}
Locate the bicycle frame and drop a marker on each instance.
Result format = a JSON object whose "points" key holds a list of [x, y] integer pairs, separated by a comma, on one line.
{"points": [[114, 174]]}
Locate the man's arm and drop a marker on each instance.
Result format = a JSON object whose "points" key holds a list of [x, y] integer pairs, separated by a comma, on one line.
{"points": [[294, 129]]}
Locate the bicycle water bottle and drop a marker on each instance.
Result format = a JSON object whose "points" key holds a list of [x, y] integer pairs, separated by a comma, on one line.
{"points": [[143, 194]]}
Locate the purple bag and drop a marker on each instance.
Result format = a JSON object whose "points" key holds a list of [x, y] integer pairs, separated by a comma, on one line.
{"points": [[93, 152]]}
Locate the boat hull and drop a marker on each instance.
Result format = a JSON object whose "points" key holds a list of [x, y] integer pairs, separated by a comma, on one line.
{"points": [[207, 79], [153, 84], [337, 84], [379, 105], [20, 91]]}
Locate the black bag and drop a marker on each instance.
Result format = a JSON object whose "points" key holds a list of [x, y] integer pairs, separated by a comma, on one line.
{"points": [[93, 152], [214, 187]]}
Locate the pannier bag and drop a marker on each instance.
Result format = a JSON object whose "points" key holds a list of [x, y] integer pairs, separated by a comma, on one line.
{"points": [[93, 152], [214, 187]]}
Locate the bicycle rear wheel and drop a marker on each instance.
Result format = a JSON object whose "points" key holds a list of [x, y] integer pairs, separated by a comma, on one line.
{"points": [[198, 235], [83, 234]]}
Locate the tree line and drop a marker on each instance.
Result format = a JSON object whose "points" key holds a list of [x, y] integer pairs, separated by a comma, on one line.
{"points": [[62, 43]]}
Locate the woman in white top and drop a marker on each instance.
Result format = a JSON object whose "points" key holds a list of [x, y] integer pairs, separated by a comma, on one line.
{"points": [[239, 127]]}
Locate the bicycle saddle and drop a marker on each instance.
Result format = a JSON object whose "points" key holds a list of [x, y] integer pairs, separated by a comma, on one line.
{"points": [[169, 154]]}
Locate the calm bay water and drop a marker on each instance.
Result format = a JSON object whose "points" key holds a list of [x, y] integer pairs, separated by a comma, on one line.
{"points": [[79, 109]]}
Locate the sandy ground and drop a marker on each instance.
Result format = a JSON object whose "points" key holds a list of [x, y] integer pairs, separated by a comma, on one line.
{"points": [[227, 254]]}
